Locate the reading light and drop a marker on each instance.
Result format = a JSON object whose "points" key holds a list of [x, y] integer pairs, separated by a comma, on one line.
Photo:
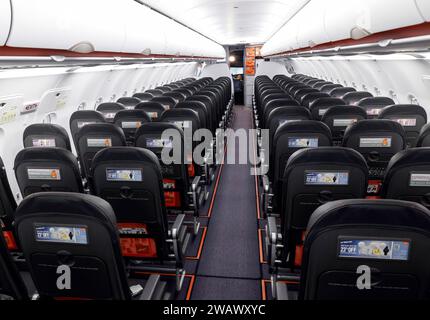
{"points": [[232, 59]]}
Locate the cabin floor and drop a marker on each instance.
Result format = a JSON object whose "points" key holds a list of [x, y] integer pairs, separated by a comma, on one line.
{"points": [[229, 267]]}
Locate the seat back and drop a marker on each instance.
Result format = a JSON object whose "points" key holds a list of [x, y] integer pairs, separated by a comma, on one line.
{"points": [[354, 98], [185, 119], [130, 180], [339, 92], [41, 169], [408, 177], [74, 235], [274, 104], [308, 99], [179, 97], [281, 115], [167, 102], [386, 239], [46, 135], [327, 88], [129, 102], [411, 117], [153, 109], [320, 106], [79, 119], [338, 118], [205, 117], [312, 178], [288, 139], [143, 96], [131, 120], [94, 137], [110, 109], [377, 140], [374, 105], [175, 176]]}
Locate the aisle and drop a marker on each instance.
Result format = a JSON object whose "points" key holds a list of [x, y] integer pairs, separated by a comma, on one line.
{"points": [[229, 267]]}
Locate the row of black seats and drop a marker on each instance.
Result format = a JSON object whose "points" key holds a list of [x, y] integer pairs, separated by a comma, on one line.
{"points": [[336, 106], [306, 172], [73, 228], [377, 140]]}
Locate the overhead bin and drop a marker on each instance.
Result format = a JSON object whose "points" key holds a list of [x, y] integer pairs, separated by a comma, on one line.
{"points": [[144, 30], [333, 20], [78, 25], [309, 32], [5, 18], [119, 26]]}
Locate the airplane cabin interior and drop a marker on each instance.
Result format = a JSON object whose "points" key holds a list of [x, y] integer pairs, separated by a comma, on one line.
{"points": [[195, 150]]}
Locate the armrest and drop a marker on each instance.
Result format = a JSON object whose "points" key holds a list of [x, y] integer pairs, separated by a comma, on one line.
{"points": [[272, 230], [177, 225], [148, 292], [266, 183], [195, 184]]}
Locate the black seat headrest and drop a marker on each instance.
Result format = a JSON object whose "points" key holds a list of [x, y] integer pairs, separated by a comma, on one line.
{"points": [[130, 154], [320, 106], [101, 129], [366, 126], [319, 155], [143, 96], [403, 109], [304, 126], [129, 102], [43, 131]]}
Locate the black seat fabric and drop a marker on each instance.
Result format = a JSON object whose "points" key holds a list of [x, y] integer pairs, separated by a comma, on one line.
{"points": [[94, 137], [408, 176], [313, 177], [75, 231], [129, 102], [374, 106], [167, 102], [339, 92], [110, 109], [411, 117], [354, 98], [320, 106], [308, 99], [46, 135], [130, 180], [339, 118], [281, 115], [329, 87], [390, 238], [187, 120], [153, 109], [79, 119], [288, 139], [175, 175], [131, 120], [377, 140], [143, 96], [40, 169]]}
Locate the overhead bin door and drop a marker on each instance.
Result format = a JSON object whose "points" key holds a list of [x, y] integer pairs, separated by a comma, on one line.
{"points": [[5, 17], [145, 30], [80, 25]]}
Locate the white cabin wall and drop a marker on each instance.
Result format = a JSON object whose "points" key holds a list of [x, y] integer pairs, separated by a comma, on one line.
{"points": [[404, 78], [84, 87]]}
